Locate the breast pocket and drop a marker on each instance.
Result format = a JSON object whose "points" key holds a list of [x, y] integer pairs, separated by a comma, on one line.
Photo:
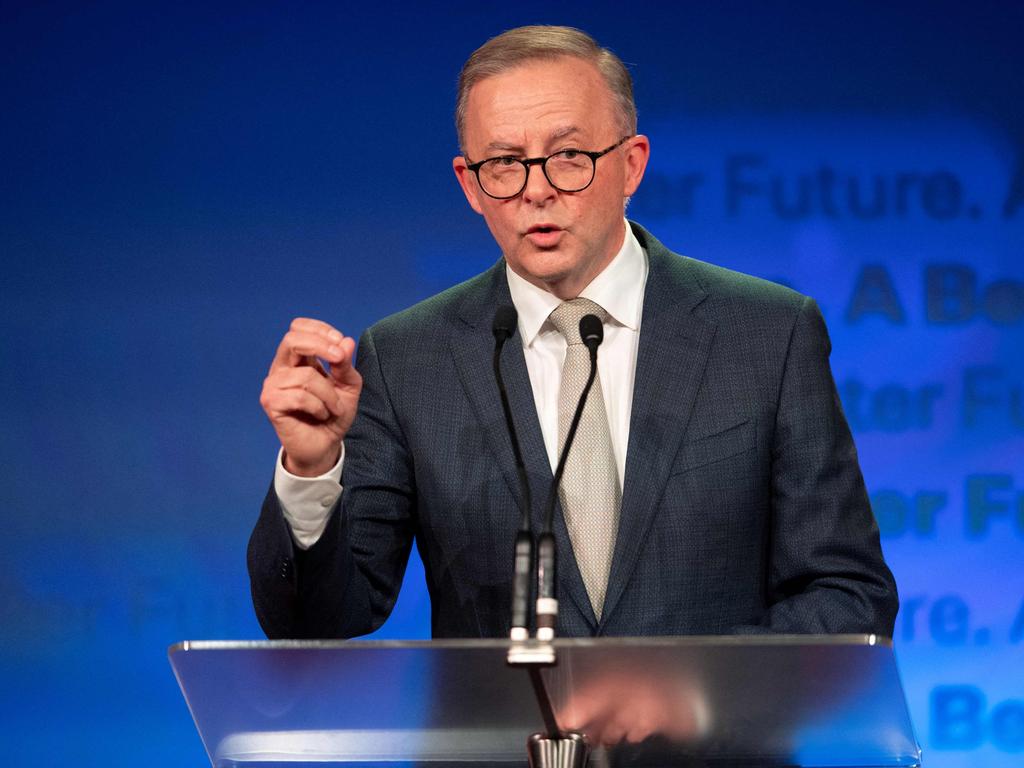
{"points": [[717, 446]]}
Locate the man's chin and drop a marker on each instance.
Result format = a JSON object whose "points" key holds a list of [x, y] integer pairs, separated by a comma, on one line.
{"points": [[545, 275]]}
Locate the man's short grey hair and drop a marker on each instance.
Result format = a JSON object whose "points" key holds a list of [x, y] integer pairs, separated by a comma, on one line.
{"points": [[545, 43]]}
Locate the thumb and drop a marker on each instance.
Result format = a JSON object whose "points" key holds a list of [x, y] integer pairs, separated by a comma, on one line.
{"points": [[343, 372]]}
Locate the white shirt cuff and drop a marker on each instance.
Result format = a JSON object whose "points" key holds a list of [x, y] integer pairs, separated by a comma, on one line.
{"points": [[307, 501]]}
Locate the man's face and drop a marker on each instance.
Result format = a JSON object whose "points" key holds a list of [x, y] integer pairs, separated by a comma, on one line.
{"points": [[557, 240]]}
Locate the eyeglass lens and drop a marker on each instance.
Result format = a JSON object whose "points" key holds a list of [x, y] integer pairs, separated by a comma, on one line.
{"points": [[568, 171]]}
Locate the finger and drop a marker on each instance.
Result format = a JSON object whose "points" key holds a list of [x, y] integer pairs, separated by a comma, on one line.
{"points": [[342, 371], [292, 401], [308, 379], [611, 734], [286, 376], [301, 347], [309, 325], [639, 729], [583, 713]]}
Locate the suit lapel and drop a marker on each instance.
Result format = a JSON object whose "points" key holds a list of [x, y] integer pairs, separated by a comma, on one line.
{"points": [[673, 351], [472, 350]]}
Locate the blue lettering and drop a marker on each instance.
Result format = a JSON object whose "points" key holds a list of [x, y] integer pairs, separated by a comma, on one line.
{"points": [[981, 505], [948, 620], [1017, 630], [737, 184], [1008, 726], [949, 294], [874, 293], [956, 717]]}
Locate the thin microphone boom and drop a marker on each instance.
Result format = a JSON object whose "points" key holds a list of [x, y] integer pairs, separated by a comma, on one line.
{"points": [[504, 327]]}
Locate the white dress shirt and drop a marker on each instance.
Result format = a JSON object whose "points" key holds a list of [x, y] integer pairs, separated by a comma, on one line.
{"points": [[619, 289]]}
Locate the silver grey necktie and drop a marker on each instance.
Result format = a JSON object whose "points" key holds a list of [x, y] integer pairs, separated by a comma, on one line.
{"points": [[589, 491]]}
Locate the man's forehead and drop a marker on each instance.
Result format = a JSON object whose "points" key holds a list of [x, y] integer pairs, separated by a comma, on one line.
{"points": [[545, 99], [554, 135]]}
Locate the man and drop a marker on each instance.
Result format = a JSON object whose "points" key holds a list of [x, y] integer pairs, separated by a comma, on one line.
{"points": [[718, 490]]}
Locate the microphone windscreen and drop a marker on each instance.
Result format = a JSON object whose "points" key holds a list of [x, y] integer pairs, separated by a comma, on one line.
{"points": [[591, 331], [505, 321]]}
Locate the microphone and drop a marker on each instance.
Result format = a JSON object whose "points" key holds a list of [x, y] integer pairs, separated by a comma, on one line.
{"points": [[504, 328], [592, 334], [504, 325]]}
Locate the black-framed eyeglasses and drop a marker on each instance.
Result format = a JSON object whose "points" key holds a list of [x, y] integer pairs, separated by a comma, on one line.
{"points": [[571, 170]]}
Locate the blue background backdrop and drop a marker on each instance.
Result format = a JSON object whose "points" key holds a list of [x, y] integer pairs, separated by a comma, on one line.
{"points": [[178, 181]]}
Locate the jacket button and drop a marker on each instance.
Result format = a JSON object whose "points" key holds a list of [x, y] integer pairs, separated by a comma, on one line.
{"points": [[286, 568]]}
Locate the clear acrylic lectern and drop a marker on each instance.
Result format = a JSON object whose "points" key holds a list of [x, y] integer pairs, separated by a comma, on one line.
{"points": [[716, 701]]}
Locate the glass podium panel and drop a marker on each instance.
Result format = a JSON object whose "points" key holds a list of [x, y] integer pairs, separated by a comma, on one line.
{"points": [[821, 702], [356, 702]]}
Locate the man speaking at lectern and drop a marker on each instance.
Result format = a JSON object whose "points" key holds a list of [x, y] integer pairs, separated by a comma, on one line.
{"points": [[713, 486]]}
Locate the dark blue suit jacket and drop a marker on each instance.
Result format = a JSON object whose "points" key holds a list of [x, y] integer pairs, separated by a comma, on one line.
{"points": [[743, 506]]}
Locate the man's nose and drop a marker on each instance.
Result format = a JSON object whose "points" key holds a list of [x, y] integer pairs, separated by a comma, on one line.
{"points": [[537, 188]]}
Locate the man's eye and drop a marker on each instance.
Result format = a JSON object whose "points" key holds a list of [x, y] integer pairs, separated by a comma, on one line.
{"points": [[504, 162], [570, 154]]}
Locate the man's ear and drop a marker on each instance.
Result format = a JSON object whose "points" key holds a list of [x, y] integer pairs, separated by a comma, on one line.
{"points": [[638, 152], [467, 180]]}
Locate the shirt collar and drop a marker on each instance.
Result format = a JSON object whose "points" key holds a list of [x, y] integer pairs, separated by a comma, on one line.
{"points": [[619, 289]]}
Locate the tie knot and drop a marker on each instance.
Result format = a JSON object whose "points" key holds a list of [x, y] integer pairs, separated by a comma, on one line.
{"points": [[566, 317]]}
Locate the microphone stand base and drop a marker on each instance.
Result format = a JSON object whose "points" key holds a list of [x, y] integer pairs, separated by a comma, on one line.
{"points": [[567, 750]]}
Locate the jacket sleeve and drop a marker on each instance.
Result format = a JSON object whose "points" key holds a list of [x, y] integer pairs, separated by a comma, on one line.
{"points": [[346, 584], [826, 573]]}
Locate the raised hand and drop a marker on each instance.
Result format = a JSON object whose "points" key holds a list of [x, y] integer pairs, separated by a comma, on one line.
{"points": [[312, 408]]}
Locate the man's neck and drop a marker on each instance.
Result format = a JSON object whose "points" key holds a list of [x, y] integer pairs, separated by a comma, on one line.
{"points": [[619, 289]]}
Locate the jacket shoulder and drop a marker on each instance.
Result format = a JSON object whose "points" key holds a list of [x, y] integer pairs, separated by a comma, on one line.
{"points": [[724, 291], [745, 292], [426, 318]]}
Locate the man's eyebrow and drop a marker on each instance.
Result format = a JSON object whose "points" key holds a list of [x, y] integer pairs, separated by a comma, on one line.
{"points": [[562, 133], [558, 135], [501, 146]]}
